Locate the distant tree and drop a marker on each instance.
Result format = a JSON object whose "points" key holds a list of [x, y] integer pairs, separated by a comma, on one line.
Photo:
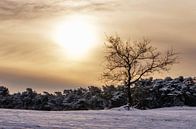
{"points": [[4, 91], [127, 62]]}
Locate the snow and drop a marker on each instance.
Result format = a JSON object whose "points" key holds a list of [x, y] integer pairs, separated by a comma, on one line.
{"points": [[171, 118], [124, 108]]}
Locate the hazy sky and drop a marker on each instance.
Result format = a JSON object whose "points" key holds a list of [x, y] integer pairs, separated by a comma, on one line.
{"points": [[31, 54]]}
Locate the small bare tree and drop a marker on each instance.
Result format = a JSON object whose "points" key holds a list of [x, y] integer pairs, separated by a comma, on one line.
{"points": [[127, 62]]}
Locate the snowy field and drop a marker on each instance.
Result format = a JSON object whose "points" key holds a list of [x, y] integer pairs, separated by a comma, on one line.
{"points": [[165, 118]]}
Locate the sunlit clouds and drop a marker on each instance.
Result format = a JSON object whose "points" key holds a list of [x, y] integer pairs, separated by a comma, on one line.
{"points": [[58, 44]]}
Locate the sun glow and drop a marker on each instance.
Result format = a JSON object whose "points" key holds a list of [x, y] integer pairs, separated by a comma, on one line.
{"points": [[77, 35]]}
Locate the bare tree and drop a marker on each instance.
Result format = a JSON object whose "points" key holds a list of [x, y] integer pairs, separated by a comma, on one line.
{"points": [[127, 62]]}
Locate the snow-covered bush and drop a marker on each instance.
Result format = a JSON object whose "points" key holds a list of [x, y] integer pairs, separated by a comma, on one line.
{"points": [[165, 92]]}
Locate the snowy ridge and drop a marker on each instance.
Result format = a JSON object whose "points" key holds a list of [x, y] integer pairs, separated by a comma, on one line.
{"points": [[124, 108]]}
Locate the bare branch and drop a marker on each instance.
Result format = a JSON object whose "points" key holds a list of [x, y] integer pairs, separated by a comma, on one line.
{"points": [[127, 62], [133, 60]]}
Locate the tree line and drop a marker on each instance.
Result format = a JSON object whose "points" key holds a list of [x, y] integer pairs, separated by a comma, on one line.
{"points": [[146, 94]]}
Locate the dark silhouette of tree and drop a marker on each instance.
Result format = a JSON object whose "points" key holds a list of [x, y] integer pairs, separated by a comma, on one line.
{"points": [[127, 62], [4, 91]]}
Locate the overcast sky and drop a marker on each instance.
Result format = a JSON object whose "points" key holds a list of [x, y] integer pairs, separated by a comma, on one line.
{"points": [[30, 58]]}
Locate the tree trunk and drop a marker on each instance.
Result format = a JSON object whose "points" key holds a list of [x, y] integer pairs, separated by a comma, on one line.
{"points": [[129, 99]]}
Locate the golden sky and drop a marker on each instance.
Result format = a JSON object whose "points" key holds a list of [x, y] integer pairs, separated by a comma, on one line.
{"points": [[51, 45]]}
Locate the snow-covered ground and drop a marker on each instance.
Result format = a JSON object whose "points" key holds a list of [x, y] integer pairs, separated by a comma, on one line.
{"points": [[165, 118]]}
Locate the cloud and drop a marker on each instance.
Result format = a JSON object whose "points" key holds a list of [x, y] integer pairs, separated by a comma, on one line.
{"points": [[32, 48], [22, 9], [16, 79], [34, 51], [25, 23]]}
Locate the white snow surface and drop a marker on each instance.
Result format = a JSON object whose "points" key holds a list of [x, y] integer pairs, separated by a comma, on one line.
{"points": [[164, 118]]}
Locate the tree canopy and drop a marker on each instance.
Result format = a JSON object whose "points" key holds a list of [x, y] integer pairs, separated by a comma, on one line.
{"points": [[128, 61]]}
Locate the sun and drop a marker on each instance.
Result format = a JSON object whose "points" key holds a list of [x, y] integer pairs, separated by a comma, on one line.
{"points": [[77, 35]]}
